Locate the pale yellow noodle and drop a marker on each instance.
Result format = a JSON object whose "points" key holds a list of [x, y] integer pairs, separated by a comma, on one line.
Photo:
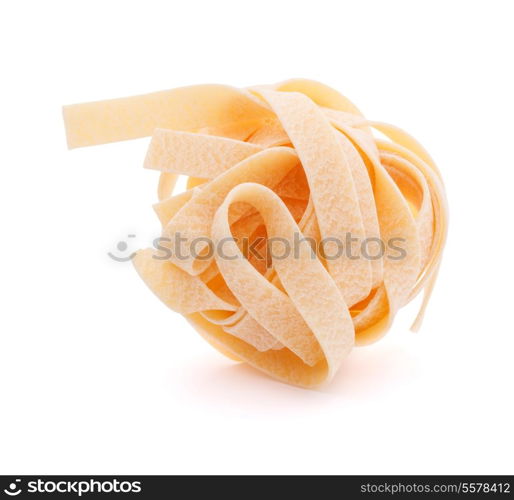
{"points": [[296, 161]]}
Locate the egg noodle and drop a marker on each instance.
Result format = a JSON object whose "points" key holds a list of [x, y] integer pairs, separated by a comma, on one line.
{"points": [[295, 161]]}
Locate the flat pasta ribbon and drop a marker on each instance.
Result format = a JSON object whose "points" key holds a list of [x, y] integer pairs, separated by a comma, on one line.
{"points": [[302, 232]]}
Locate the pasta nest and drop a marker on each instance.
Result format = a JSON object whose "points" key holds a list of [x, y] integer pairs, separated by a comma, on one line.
{"points": [[304, 227]]}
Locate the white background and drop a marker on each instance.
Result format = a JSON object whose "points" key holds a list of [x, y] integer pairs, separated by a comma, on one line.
{"points": [[97, 376]]}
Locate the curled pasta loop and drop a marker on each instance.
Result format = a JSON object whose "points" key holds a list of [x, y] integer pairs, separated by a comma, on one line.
{"points": [[293, 166]]}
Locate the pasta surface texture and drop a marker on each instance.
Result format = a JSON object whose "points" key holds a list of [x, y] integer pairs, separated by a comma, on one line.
{"points": [[311, 225]]}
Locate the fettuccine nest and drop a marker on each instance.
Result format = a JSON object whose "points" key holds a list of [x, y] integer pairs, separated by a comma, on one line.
{"points": [[293, 165]]}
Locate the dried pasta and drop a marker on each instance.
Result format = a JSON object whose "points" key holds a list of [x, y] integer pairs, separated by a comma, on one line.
{"points": [[295, 171]]}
